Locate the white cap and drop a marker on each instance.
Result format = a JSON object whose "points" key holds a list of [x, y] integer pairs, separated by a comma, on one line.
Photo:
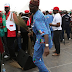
{"points": [[7, 5]]}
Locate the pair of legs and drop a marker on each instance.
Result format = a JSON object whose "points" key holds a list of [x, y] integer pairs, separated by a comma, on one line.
{"points": [[38, 59], [4, 39], [10, 44], [25, 40], [56, 39]]}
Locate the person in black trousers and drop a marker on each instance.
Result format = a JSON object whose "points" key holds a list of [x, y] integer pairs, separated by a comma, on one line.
{"points": [[56, 26]]}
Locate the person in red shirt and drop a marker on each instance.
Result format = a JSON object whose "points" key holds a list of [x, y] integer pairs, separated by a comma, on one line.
{"points": [[11, 30]]}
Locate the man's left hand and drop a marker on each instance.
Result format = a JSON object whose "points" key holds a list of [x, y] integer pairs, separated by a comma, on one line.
{"points": [[46, 51]]}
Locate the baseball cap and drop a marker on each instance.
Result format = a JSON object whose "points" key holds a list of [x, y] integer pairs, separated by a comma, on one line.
{"points": [[50, 12], [56, 8], [7, 5], [27, 11]]}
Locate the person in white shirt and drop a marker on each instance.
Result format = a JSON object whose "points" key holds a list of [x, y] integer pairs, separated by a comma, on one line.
{"points": [[56, 26]]}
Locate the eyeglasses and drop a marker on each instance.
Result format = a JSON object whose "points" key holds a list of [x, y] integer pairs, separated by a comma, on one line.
{"points": [[6, 7]]}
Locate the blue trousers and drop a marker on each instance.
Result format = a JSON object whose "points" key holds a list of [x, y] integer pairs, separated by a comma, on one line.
{"points": [[19, 42], [38, 59]]}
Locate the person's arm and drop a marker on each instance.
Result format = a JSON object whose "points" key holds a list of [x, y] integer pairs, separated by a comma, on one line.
{"points": [[46, 50], [57, 19], [55, 25], [16, 20], [42, 29]]}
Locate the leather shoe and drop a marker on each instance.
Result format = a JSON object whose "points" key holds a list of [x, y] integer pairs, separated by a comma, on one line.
{"points": [[55, 54]]}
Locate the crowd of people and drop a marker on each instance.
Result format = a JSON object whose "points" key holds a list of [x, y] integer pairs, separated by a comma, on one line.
{"points": [[44, 28]]}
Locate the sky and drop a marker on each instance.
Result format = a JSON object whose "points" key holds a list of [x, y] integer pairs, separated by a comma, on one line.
{"points": [[21, 5]]}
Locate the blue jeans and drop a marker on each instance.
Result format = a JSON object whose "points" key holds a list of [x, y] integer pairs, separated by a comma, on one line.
{"points": [[19, 42]]}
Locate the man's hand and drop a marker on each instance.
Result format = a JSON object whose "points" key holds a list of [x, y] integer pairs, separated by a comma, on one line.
{"points": [[50, 24], [46, 51], [18, 34], [29, 34], [29, 29]]}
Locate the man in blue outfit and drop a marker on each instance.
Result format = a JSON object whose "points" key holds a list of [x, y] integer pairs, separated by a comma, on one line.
{"points": [[43, 36]]}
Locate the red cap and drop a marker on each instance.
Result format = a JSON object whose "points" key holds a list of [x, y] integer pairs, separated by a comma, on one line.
{"points": [[0, 11], [56, 8], [26, 11]]}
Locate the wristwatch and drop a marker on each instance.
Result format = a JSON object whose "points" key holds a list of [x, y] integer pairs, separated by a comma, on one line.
{"points": [[46, 45], [19, 31]]}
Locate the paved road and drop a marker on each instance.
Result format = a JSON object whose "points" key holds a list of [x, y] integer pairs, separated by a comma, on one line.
{"points": [[62, 63]]}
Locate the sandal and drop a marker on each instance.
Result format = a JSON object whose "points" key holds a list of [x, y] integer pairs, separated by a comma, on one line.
{"points": [[55, 54]]}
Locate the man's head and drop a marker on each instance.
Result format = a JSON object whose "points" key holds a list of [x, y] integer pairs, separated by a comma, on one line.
{"points": [[65, 12], [47, 12], [7, 7], [55, 10], [33, 6]]}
